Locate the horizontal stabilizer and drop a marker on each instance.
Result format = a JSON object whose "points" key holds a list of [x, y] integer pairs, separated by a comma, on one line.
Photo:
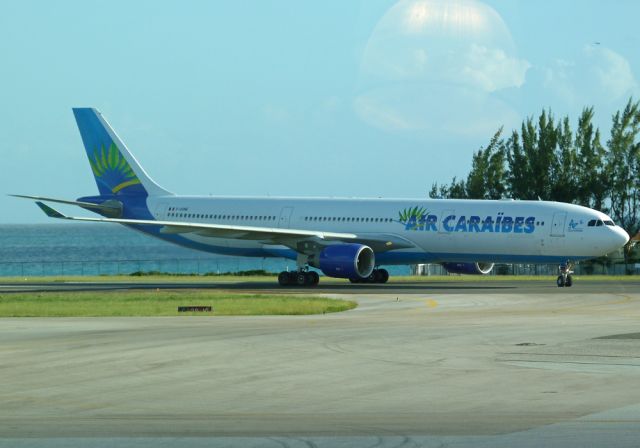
{"points": [[51, 213], [110, 208]]}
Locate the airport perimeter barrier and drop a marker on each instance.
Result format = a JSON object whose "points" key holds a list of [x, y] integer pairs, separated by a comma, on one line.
{"points": [[199, 266], [204, 266], [539, 269]]}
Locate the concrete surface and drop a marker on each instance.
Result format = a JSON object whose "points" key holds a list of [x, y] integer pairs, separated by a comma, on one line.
{"points": [[459, 368]]}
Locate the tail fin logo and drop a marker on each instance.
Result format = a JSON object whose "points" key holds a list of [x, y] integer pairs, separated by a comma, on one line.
{"points": [[111, 169]]}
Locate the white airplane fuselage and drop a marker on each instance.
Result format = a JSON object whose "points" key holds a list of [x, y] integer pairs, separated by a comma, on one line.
{"points": [[440, 231]]}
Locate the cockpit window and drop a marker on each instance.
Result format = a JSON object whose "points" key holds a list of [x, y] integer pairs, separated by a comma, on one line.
{"points": [[599, 223], [591, 223], [609, 223]]}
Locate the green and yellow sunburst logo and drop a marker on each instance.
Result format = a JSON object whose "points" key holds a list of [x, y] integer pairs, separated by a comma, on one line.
{"points": [[413, 218], [111, 169]]}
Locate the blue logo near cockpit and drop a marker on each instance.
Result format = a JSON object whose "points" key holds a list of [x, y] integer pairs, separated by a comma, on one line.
{"points": [[576, 225]]}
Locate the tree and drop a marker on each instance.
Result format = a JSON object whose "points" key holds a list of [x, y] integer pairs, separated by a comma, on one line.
{"points": [[591, 177], [563, 183], [457, 190], [545, 159], [623, 167], [518, 173], [487, 177], [532, 158]]}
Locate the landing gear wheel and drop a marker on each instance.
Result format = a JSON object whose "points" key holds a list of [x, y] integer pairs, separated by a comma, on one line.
{"points": [[565, 279], [568, 282], [301, 279], [374, 277], [283, 278], [314, 278]]}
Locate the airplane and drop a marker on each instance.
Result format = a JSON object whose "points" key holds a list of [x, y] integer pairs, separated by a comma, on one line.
{"points": [[343, 238]]}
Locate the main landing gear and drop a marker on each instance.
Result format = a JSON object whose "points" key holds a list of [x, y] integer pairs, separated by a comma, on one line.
{"points": [[565, 279], [298, 278], [305, 277], [376, 276]]}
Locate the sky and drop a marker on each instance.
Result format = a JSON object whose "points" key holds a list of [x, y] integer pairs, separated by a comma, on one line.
{"points": [[368, 98]]}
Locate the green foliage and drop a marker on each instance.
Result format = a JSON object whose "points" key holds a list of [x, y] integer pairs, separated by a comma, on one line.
{"points": [[591, 177], [486, 179], [623, 169], [546, 159]]}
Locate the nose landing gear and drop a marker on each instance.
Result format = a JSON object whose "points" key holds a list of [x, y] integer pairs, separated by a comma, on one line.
{"points": [[565, 279]]}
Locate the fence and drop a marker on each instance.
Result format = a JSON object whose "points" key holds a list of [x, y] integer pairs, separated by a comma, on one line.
{"points": [[539, 269], [202, 266], [194, 266]]}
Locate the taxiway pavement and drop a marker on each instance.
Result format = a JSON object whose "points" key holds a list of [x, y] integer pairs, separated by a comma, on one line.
{"points": [[479, 365]]}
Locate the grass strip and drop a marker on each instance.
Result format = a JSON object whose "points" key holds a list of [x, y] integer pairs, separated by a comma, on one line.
{"points": [[162, 303]]}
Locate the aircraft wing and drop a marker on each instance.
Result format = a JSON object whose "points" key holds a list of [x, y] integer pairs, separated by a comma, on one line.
{"points": [[267, 235]]}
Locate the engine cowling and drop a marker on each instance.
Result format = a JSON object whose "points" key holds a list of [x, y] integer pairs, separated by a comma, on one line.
{"points": [[345, 261], [468, 268]]}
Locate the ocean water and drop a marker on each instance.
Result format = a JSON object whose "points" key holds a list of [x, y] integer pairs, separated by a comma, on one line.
{"points": [[106, 249]]}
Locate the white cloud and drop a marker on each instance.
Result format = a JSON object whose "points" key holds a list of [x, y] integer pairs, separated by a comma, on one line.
{"points": [[332, 103], [431, 108], [492, 69], [277, 115], [612, 71], [434, 65], [596, 75], [375, 111]]}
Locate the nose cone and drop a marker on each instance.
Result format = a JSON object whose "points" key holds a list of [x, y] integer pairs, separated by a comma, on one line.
{"points": [[619, 237]]}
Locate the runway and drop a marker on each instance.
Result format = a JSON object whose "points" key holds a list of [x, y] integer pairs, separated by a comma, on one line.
{"points": [[393, 287], [462, 365]]}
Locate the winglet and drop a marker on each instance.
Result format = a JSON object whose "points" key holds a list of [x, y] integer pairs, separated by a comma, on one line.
{"points": [[51, 213]]}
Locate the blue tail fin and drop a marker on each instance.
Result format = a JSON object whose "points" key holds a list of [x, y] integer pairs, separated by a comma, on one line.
{"points": [[115, 169]]}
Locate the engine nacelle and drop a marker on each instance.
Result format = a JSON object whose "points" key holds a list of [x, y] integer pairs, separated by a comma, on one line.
{"points": [[468, 268], [345, 261]]}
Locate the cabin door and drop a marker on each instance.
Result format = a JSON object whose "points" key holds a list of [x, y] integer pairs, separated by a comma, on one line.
{"points": [[285, 217], [557, 225]]}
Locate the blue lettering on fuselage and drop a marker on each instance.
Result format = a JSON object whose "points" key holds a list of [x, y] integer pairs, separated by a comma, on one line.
{"points": [[473, 224], [448, 227]]}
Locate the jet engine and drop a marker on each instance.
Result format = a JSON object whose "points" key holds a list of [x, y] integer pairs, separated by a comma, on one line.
{"points": [[345, 261], [468, 268]]}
